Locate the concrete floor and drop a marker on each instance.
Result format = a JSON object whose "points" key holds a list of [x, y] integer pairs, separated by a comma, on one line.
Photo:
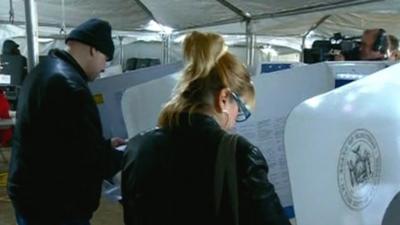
{"points": [[108, 212]]}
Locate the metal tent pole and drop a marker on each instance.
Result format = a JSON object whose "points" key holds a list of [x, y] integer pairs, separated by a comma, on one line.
{"points": [[250, 43], [32, 33], [121, 53], [165, 48]]}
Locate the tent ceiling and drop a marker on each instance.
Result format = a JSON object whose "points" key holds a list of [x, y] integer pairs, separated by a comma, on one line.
{"points": [[259, 8], [283, 18], [180, 14], [131, 15], [350, 21], [122, 14]]}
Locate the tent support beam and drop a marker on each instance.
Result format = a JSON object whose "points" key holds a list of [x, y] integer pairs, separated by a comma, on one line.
{"points": [[146, 10], [165, 48], [230, 6], [344, 3], [250, 44], [32, 33], [121, 52], [250, 37], [316, 8], [11, 12]]}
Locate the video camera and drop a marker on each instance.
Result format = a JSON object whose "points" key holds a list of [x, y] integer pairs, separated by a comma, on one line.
{"points": [[325, 50]]}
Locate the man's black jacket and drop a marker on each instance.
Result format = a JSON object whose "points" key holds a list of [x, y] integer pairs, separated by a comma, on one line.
{"points": [[167, 178], [59, 156]]}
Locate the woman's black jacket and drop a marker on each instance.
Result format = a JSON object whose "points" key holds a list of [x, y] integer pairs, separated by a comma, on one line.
{"points": [[168, 176]]}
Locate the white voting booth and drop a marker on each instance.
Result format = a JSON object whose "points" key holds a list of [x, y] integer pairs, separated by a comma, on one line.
{"points": [[277, 93], [346, 72], [142, 104], [108, 92], [343, 153]]}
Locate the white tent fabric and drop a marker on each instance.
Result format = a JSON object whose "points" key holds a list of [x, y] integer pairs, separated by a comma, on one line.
{"points": [[281, 24], [179, 14], [8, 30], [122, 14], [283, 18]]}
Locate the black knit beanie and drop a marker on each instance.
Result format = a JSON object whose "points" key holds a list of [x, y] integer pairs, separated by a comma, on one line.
{"points": [[96, 33]]}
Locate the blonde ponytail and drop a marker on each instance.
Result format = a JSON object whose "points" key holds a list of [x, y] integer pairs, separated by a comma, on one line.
{"points": [[209, 68]]}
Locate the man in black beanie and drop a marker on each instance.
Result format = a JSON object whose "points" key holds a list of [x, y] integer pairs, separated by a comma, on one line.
{"points": [[59, 156]]}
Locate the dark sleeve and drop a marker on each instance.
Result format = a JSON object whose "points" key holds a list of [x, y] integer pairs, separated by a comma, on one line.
{"points": [[112, 160], [106, 159], [76, 124], [259, 203]]}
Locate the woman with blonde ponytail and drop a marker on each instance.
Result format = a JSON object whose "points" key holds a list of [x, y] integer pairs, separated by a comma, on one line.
{"points": [[191, 170]]}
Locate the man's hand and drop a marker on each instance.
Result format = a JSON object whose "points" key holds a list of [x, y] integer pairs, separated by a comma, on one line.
{"points": [[116, 141]]}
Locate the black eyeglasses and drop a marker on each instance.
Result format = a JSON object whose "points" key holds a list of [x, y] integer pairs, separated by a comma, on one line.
{"points": [[243, 111]]}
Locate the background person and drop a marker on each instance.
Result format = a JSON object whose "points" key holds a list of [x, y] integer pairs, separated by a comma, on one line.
{"points": [[13, 62], [374, 45]]}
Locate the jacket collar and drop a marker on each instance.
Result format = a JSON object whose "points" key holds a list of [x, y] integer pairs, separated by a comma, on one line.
{"points": [[197, 120], [65, 56]]}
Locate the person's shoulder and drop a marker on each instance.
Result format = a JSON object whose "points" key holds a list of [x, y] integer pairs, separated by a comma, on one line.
{"points": [[156, 132], [143, 141], [245, 150], [244, 144], [55, 61], [149, 137], [60, 72], [50, 66]]}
